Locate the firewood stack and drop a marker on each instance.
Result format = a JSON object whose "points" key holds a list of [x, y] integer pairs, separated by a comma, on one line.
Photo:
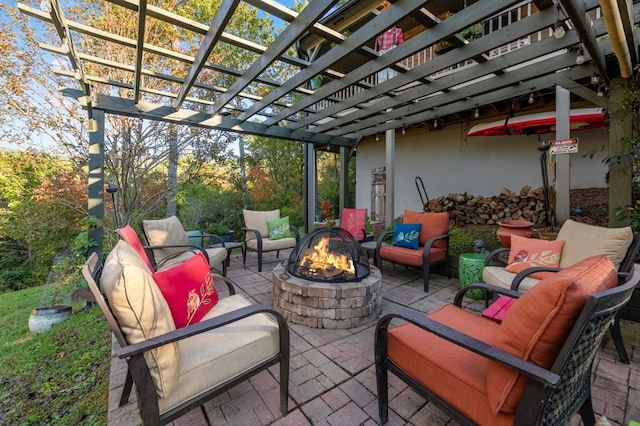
{"points": [[467, 209]]}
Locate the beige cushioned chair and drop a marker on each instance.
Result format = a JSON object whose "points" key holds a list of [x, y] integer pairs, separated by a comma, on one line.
{"points": [[170, 245], [257, 234], [581, 241], [177, 370]]}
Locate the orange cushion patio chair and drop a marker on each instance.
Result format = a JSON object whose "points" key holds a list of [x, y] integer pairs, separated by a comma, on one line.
{"points": [[433, 247], [533, 368]]}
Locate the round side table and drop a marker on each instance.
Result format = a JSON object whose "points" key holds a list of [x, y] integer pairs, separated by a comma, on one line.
{"points": [[470, 266]]}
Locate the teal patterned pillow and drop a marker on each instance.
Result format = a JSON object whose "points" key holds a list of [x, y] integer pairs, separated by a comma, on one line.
{"points": [[279, 228], [407, 235]]}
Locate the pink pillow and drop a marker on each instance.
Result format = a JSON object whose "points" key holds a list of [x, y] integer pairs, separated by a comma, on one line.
{"points": [[188, 289], [129, 236], [531, 252]]}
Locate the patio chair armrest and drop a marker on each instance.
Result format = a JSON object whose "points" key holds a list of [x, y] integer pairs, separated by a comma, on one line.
{"points": [[201, 327], [418, 319], [430, 241], [227, 281], [191, 247], [489, 288], [493, 256], [256, 233], [379, 243], [296, 233], [214, 239], [515, 284]]}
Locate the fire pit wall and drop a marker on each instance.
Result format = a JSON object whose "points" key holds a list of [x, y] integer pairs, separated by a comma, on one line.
{"points": [[325, 304]]}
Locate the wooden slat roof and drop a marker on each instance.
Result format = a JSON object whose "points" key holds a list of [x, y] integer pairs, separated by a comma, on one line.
{"points": [[338, 44]]}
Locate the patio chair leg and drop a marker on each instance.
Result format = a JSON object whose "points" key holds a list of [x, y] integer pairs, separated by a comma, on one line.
{"points": [[126, 390], [616, 335], [244, 255], [586, 412]]}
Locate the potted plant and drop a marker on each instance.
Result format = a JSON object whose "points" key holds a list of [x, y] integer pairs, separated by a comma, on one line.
{"points": [[63, 279], [54, 309], [220, 229]]}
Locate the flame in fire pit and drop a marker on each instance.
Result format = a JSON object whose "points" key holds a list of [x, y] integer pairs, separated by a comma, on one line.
{"points": [[325, 263]]}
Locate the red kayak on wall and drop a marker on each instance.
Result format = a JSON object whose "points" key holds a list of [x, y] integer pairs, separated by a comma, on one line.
{"points": [[545, 122]]}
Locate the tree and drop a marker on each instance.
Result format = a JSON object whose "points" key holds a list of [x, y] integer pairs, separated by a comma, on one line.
{"points": [[42, 206], [275, 178]]}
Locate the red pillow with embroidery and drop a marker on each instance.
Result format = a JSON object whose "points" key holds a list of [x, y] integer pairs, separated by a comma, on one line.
{"points": [[188, 289]]}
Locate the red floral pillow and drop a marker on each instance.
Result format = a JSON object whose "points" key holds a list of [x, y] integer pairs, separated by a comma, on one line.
{"points": [[188, 289], [530, 252]]}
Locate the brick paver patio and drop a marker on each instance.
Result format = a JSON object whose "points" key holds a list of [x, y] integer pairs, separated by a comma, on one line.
{"points": [[332, 380]]}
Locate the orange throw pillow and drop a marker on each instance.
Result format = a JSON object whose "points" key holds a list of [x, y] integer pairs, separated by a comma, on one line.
{"points": [[527, 253], [537, 325], [188, 289], [433, 225]]}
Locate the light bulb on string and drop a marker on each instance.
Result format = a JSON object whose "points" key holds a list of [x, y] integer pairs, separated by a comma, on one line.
{"points": [[558, 27], [531, 98], [435, 123], [476, 113], [404, 130], [580, 57]]}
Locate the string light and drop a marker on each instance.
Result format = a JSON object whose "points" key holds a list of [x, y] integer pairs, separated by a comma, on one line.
{"points": [[435, 122], [404, 130], [595, 78], [476, 113], [377, 137], [558, 27], [531, 99], [580, 57]]}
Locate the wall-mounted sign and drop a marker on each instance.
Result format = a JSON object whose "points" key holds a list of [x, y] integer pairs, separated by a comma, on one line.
{"points": [[564, 146]]}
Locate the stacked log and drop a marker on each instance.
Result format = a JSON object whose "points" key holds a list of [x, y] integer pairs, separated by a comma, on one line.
{"points": [[467, 209]]}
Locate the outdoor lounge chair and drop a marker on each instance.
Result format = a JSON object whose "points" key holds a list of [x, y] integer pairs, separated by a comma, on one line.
{"points": [[533, 368], [581, 240], [258, 237], [433, 246], [168, 245], [177, 370]]}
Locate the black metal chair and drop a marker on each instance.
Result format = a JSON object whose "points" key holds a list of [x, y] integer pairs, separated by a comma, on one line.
{"points": [[185, 395], [551, 396]]}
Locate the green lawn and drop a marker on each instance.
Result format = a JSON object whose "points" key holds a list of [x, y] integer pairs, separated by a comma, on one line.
{"points": [[59, 377]]}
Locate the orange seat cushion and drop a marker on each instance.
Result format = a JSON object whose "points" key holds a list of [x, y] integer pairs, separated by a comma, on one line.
{"points": [[412, 257], [537, 325], [433, 225], [454, 374]]}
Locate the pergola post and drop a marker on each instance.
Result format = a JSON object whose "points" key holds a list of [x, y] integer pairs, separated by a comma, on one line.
{"points": [[390, 144], [620, 125], [310, 185], [563, 161], [96, 180], [344, 178]]}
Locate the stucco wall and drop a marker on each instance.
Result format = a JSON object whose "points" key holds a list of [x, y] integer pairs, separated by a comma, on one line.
{"points": [[480, 165]]}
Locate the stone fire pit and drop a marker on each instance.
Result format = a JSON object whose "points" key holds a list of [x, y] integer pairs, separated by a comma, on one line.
{"points": [[327, 305]]}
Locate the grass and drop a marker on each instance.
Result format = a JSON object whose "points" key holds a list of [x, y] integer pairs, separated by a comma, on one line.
{"points": [[59, 377]]}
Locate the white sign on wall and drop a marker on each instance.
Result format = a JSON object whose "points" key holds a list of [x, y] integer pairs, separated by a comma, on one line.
{"points": [[564, 146]]}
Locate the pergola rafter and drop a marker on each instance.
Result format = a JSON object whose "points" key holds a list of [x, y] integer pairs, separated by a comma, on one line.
{"points": [[349, 105]]}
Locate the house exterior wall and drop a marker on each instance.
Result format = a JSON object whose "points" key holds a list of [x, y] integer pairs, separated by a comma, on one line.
{"points": [[479, 166]]}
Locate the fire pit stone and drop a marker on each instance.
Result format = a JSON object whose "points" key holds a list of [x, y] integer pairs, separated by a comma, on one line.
{"points": [[327, 304]]}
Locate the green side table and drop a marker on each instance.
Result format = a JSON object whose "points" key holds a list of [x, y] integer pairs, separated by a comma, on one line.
{"points": [[470, 266]]}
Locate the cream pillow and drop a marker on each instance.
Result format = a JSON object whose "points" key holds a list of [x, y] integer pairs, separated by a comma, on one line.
{"points": [[583, 241], [167, 231], [141, 311]]}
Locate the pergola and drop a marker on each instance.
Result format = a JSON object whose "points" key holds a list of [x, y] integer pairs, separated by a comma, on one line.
{"points": [[338, 44]]}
